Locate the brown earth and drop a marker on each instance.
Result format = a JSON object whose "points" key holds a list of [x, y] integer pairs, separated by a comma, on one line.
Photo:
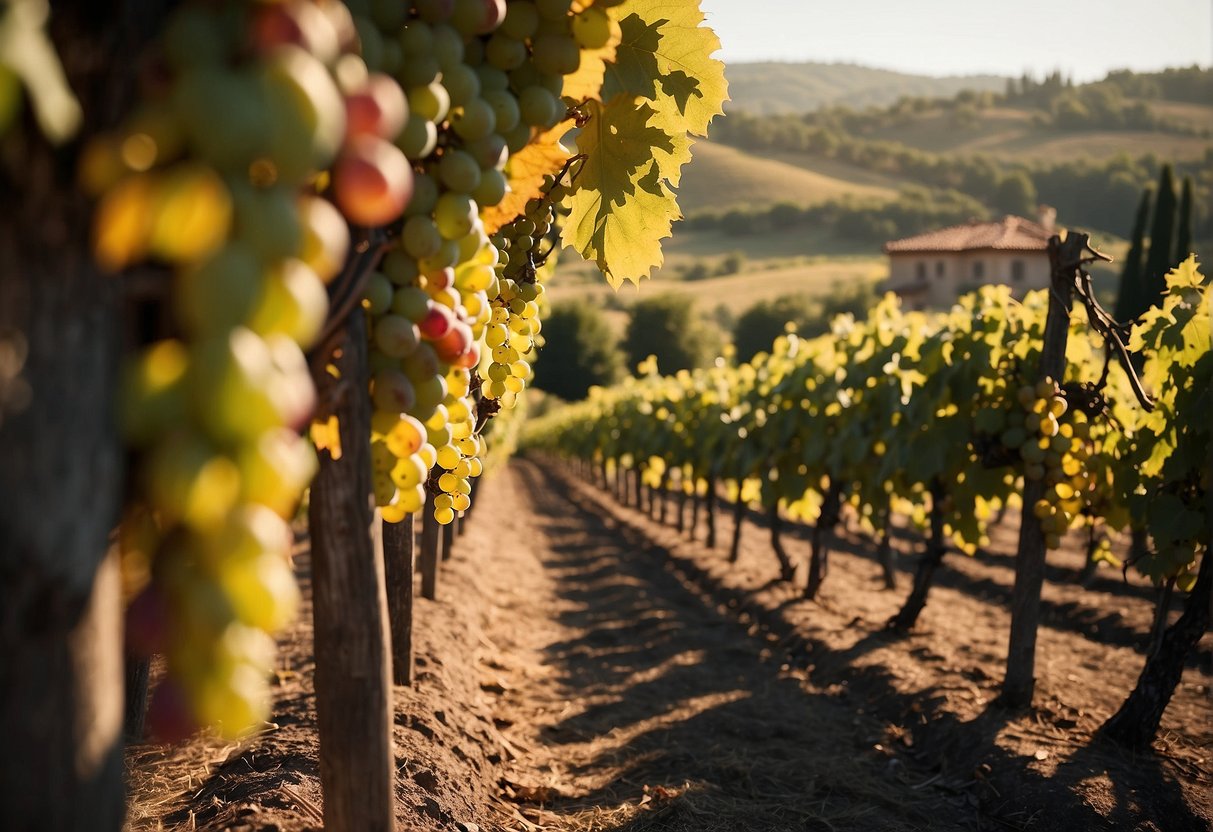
{"points": [[586, 668]]}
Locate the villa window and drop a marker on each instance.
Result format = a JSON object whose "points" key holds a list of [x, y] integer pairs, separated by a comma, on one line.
{"points": [[979, 270], [920, 271], [939, 268], [1017, 271]]}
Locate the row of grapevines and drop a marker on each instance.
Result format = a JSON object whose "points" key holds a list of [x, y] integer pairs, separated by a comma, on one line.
{"points": [[932, 413]]}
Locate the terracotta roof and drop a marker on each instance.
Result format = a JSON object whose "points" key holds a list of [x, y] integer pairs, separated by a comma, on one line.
{"points": [[1008, 234]]}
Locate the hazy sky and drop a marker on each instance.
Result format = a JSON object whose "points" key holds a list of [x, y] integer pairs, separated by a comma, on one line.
{"points": [[951, 37]]}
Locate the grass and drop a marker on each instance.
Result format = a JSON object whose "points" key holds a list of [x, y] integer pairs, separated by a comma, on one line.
{"points": [[756, 282], [721, 177]]}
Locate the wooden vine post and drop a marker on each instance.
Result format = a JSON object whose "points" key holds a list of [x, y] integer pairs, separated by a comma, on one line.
{"points": [[1065, 260], [431, 535], [353, 667], [448, 539], [399, 565], [61, 456]]}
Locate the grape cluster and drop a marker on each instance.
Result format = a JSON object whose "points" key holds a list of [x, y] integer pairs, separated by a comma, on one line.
{"points": [[216, 177], [1053, 443], [515, 324], [481, 78]]}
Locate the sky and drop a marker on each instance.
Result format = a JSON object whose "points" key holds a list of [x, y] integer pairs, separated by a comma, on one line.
{"points": [[1083, 38]]}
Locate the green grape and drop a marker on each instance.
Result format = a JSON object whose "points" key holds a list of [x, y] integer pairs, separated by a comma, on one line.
{"points": [[553, 9], [521, 20], [421, 237], [418, 139], [556, 54], [458, 171], [378, 295], [504, 52], [538, 108], [455, 215], [492, 78], [429, 101], [447, 46], [475, 120], [419, 70], [592, 28], [462, 84]]}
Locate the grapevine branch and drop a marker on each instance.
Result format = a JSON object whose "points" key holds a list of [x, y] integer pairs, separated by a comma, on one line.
{"points": [[1104, 324], [566, 168]]}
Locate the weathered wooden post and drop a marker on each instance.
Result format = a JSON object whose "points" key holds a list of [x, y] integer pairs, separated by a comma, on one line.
{"points": [[430, 555], [1065, 259], [400, 564], [353, 666]]}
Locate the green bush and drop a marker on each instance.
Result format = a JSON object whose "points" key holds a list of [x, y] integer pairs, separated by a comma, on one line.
{"points": [[579, 351]]}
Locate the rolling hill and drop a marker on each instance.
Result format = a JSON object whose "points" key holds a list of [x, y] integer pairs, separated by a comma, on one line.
{"points": [[722, 177], [767, 88]]}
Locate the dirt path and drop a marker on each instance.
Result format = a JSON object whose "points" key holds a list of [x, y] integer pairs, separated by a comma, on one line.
{"points": [[586, 668], [639, 704], [935, 688]]}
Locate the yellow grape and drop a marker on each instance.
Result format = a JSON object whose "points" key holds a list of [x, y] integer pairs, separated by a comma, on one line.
{"points": [[261, 590], [448, 456]]}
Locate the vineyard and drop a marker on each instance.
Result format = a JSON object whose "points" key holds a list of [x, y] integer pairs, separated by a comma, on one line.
{"points": [[274, 281]]}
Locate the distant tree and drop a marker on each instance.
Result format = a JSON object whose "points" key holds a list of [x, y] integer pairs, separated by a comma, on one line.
{"points": [[668, 327], [1130, 302], [1162, 238], [1183, 237], [579, 351], [733, 263], [758, 326], [1016, 194]]}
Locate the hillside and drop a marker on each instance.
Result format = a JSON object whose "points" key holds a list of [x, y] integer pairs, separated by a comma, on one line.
{"points": [[1088, 150], [767, 88], [1016, 133], [722, 177]]}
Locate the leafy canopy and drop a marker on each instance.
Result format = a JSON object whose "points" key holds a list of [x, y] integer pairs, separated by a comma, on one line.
{"points": [[660, 89]]}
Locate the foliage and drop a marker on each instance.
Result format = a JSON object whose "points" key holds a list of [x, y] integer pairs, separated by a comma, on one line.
{"points": [[579, 352], [1161, 254], [660, 90], [904, 403], [915, 210], [1171, 449], [667, 327], [1085, 192], [1130, 295], [803, 315]]}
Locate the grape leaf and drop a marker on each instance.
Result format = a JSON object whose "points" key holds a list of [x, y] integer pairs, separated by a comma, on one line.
{"points": [[664, 55], [526, 169], [622, 207]]}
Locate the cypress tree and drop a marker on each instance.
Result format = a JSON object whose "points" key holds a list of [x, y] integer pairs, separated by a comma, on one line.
{"points": [[1130, 292], [1162, 240], [1183, 238]]}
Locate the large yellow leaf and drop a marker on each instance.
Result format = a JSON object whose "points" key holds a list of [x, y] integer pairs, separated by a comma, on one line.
{"points": [[665, 56], [622, 206]]}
